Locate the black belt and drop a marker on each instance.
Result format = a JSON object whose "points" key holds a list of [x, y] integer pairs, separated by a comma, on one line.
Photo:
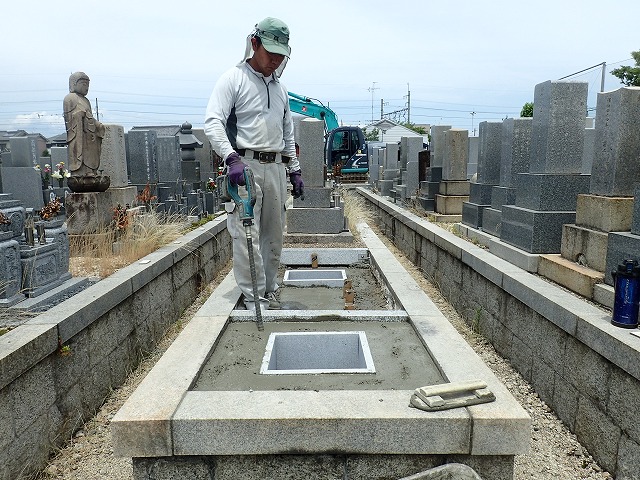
{"points": [[264, 157]]}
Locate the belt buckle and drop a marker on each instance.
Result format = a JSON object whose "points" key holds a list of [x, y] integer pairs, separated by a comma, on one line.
{"points": [[267, 157]]}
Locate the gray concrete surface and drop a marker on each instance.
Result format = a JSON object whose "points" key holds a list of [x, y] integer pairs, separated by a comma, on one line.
{"points": [[400, 360], [167, 426]]}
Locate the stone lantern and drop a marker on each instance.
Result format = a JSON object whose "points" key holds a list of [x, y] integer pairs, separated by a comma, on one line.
{"points": [[190, 167]]}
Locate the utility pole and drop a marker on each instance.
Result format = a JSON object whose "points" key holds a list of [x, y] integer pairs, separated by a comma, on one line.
{"points": [[97, 111], [372, 88], [408, 104], [473, 114], [604, 66]]}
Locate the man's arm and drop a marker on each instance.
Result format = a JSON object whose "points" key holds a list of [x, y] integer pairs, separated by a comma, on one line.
{"points": [[289, 140], [219, 108]]}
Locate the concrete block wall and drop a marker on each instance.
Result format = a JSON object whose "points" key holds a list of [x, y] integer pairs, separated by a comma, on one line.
{"points": [[584, 368], [47, 392]]}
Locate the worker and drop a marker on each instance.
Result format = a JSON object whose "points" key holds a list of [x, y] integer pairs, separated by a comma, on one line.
{"points": [[249, 124]]}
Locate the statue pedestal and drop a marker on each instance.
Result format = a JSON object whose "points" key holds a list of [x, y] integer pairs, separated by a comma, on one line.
{"points": [[10, 270], [92, 212]]}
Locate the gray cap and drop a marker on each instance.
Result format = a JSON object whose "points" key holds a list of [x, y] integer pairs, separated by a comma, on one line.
{"points": [[274, 35]]}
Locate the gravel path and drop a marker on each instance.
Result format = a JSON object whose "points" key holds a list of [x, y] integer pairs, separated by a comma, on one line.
{"points": [[555, 453]]}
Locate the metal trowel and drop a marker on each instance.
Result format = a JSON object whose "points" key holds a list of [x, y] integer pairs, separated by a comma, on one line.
{"points": [[451, 395]]}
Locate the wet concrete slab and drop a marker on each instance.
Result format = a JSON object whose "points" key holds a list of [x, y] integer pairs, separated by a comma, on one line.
{"points": [[368, 294], [401, 360]]}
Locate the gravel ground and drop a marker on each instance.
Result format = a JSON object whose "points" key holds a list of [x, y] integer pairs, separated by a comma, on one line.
{"points": [[555, 453]]}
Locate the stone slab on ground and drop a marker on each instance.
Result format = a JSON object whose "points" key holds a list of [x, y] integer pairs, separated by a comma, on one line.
{"points": [[444, 217], [604, 294], [516, 256], [569, 274], [345, 237], [54, 296]]}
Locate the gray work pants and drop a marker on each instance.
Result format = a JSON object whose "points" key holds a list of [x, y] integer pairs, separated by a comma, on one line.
{"points": [[266, 232]]}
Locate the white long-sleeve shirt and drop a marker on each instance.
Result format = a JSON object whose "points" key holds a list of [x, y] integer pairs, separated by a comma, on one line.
{"points": [[250, 111]]}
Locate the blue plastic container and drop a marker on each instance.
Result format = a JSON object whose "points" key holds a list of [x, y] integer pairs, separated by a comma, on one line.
{"points": [[627, 294]]}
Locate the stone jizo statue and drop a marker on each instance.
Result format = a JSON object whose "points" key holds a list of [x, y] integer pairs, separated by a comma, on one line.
{"points": [[84, 133]]}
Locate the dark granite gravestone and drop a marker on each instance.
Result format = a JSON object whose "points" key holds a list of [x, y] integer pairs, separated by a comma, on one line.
{"points": [[514, 159], [488, 174], [169, 163], [546, 195], [142, 157]]}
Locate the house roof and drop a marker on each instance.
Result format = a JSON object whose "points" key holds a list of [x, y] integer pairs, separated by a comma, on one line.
{"points": [[57, 139], [7, 134], [392, 132]]}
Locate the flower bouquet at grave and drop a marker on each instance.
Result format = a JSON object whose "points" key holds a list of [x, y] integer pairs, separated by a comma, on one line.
{"points": [[120, 220], [61, 173], [211, 185], [51, 209], [45, 174], [145, 198]]}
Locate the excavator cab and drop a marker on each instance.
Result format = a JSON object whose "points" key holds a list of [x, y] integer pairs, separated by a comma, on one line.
{"points": [[342, 144]]}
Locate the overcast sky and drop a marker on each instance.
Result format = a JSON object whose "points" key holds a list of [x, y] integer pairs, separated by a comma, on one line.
{"points": [[155, 62]]}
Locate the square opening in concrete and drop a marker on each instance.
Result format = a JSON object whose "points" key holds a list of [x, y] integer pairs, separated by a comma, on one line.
{"points": [[305, 353], [315, 277]]}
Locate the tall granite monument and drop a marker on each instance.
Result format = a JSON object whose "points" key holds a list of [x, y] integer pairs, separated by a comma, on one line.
{"points": [[546, 194]]}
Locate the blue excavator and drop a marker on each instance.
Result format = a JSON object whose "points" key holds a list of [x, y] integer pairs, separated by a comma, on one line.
{"points": [[345, 152]]}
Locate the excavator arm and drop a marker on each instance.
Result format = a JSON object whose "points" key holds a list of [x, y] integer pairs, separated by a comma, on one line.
{"points": [[313, 108]]}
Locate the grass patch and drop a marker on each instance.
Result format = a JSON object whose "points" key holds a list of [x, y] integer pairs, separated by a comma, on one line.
{"points": [[356, 210], [102, 253]]}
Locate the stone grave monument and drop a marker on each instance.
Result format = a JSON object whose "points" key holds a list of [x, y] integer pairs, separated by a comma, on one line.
{"points": [[321, 212], [488, 174], [514, 159], [34, 256], [606, 227], [390, 171], [375, 154], [169, 169], [21, 175], [474, 151], [546, 195], [589, 145], [454, 187], [431, 186], [142, 160], [409, 168]]}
